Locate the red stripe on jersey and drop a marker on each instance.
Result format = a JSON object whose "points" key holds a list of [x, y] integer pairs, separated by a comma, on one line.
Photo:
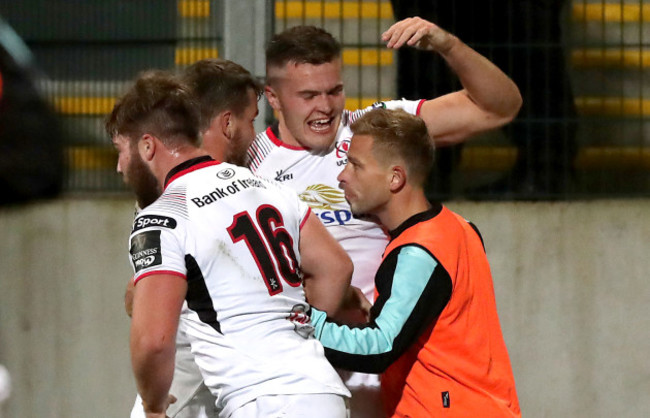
{"points": [[190, 169], [279, 143], [417, 112], [153, 273], [305, 218], [255, 155]]}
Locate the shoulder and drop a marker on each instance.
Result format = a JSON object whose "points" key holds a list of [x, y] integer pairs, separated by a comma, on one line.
{"points": [[263, 144], [166, 212]]}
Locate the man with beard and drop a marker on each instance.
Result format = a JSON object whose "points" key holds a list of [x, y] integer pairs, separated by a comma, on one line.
{"points": [[228, 254], [434, 332], [227, 96], [307, 149]]}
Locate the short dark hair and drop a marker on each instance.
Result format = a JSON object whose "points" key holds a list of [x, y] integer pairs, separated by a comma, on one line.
{"points": [[397, 133], [159, 104], [302, 45], [219, 85]]}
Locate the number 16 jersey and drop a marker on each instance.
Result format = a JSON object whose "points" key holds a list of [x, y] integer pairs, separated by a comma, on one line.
{"points": [[235, 238]]}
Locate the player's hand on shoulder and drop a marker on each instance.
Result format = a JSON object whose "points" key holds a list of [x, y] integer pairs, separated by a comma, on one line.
{"points": [[418, 33]]}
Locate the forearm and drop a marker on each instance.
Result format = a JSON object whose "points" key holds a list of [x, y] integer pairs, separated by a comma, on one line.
{"points": [[488, 100], [411, 293], [157, 303], [487, 86], [368, 348], [153, 368], [327, 292]]}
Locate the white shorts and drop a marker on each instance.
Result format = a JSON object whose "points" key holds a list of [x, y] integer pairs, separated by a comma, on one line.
{"points": [[319, 405]]}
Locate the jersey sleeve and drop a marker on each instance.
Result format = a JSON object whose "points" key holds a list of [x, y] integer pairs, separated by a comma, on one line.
{"points": [[415, 289], [409, 106], [156, 245]]}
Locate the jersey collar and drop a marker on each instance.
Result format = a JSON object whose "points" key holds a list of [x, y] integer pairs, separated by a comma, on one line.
{"points": [[436, 208], [189, 166], [273, 133]]}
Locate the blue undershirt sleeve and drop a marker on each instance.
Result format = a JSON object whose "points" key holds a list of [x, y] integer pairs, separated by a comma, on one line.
{"points": [[414, 269]]}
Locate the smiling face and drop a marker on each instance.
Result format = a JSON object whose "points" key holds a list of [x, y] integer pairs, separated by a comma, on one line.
{"points": [[309, 100], [135, 172], [365, 180]]}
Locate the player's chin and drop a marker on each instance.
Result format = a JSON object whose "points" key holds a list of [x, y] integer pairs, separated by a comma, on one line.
{"points": [[354, 207]]}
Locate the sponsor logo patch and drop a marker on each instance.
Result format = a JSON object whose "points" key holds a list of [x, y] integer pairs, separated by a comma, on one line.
{"points": [[145, 250], [301, 321], [342, 148], [320, 196], [153, 220], [226, 174], [282, 175]]}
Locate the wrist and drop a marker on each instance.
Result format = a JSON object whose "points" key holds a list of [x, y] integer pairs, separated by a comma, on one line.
{"points": [[448, 44], [153, 409]]}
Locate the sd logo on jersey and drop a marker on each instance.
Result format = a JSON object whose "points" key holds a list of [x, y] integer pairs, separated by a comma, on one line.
{"points": [[328, 203], [320, 196]]}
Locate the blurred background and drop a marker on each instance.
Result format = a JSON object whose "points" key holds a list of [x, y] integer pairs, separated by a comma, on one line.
{"points": [[560, 195]]}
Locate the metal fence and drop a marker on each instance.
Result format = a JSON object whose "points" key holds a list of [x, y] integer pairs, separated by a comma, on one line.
{"points": [[580, 65]]}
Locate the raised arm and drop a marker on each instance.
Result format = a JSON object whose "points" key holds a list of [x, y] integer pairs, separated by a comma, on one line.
{"points": [[489, 98], [157, 302], [327, 268]]}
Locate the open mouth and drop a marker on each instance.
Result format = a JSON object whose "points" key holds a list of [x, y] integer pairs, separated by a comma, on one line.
{"points": [[320, 125]]}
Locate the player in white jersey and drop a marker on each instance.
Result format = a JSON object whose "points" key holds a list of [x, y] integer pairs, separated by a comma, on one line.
{"points": [[242, 252], [227, 96], [306, 150], [314, 176]]}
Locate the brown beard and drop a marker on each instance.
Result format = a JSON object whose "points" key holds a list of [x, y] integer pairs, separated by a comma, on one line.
{"points": [[142, 181], [236, 157]]}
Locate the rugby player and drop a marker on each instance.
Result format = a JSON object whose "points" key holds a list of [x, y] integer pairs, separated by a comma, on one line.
{"points": [[307, 148], [228, 253]]}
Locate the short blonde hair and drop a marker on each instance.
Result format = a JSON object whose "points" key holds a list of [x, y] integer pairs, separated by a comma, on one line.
{"points": [[399, 134]]}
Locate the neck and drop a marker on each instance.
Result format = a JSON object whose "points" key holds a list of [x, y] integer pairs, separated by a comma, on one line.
{"points": [[285, 133], [172, 158], [404, 204]]}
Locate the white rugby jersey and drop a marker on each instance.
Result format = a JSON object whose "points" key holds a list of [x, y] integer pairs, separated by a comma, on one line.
{"points": [[313, 176], [235, 238]]}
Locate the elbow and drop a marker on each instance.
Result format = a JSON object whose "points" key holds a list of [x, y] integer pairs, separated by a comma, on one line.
{"points": [[152, 345], [515, 106], [511, 106], [500, 116]]}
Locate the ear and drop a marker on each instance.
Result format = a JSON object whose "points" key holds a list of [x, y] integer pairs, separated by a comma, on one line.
{"points": [[398, 178], [272, 97], [222, 123], [147, 147]]}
